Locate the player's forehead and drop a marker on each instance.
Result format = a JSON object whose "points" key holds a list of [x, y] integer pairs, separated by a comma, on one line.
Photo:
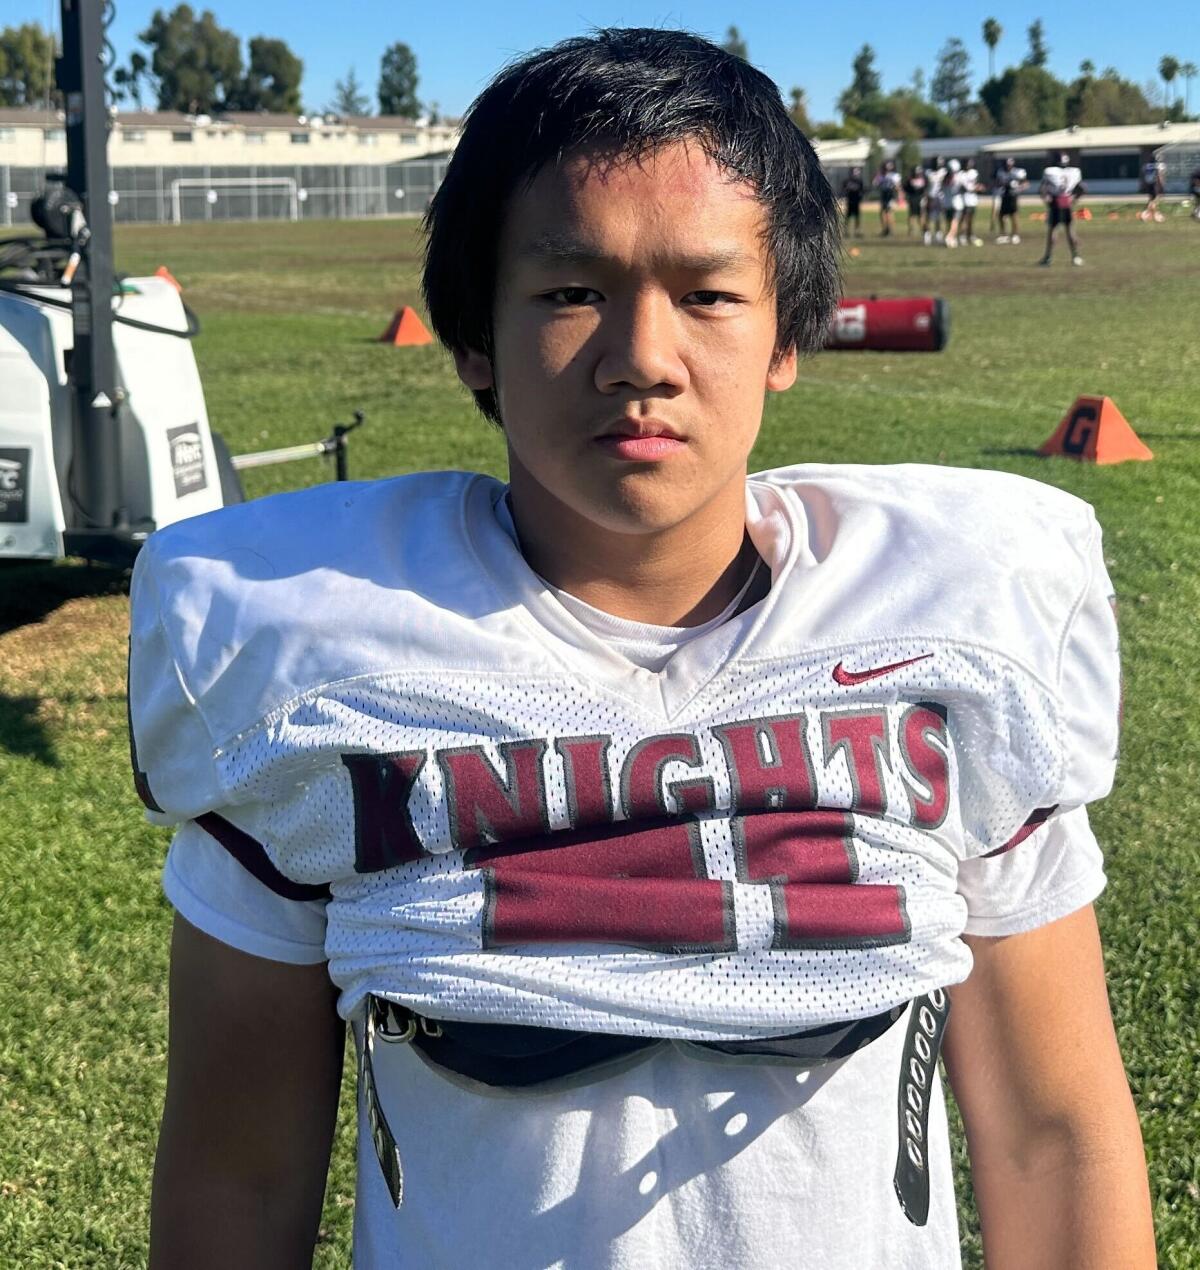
{"points": [[672, 204]]}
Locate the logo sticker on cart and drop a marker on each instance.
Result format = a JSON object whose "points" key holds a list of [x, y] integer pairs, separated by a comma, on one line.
{"points": [[187, 459], [14, 485]]}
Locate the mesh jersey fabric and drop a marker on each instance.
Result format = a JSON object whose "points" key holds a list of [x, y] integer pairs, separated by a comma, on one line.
{"points": [[780, 846]]}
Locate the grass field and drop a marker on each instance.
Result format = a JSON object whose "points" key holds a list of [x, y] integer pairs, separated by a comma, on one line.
{"points": [[289, 314]]}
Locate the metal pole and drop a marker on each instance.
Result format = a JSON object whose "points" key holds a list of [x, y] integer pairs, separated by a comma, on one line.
{"points": [[80, 73]]}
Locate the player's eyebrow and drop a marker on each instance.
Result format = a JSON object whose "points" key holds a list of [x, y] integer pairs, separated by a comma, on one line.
{"points": [[554, 248]]}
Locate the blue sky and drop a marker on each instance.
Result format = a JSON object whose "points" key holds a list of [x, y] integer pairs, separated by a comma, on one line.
{"points": [[459, 45]]}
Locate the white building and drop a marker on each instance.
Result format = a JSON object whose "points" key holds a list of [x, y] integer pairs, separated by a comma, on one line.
{"points": [[167, 165]]}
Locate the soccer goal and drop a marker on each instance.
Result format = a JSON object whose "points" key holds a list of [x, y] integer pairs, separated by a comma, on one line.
{"points": [[280, 190], [1179, 159]]}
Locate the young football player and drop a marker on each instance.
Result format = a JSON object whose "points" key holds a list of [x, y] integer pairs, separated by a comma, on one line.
{"points": [[643, 818], [853, 188], [970, 194], [914, 198], [1061, 188], [953, 194], [1010, 182], [888, 184], [1152, 187], [935, 201]]}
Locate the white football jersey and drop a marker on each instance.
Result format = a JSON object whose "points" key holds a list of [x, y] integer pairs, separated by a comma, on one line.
{"points": [[365, 688], [1061, 180]]}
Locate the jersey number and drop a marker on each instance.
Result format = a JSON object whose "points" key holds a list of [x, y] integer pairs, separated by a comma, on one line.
{"points": [[649, 888]]}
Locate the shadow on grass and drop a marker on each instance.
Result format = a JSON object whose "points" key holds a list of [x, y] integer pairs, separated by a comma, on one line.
{"points": [[31, 592], [1014, 451], [21, 733]]}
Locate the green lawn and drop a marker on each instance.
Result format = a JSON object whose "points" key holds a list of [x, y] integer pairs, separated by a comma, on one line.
{"points": [[289, 317]]}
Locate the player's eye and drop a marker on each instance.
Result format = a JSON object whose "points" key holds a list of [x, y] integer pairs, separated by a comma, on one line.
{"points": [[572, 296], [707, 299]]}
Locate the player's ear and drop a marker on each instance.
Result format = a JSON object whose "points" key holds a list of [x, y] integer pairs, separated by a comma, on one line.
{"points": [[474, 369], [782, 373]]}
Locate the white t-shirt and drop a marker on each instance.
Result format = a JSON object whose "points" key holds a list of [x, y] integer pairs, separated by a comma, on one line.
{"points": [[681, 1160]]}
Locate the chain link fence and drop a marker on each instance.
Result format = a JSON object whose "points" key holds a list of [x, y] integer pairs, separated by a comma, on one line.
{"points": [[165, 195]]}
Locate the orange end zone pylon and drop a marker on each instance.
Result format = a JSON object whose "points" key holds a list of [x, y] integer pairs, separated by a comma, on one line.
{"points": [[406, 328], [1095, 431]]}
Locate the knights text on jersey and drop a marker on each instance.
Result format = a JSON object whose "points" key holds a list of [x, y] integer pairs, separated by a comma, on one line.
{"points": [[364, 688]]}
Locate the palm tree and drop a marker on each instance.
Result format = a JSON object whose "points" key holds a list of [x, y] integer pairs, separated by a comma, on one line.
{"points": [[1188, 71], [1168, 68], [992, 31]]}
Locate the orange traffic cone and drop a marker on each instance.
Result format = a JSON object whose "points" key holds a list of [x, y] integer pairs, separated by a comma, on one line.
{"points": [[406, 328], [1095, 431], [167, 276]]}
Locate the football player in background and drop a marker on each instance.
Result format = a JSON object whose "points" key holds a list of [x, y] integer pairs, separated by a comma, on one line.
{"points": [[914, 197], [853, 188], [1061, 188], [643, 818], [1010, 182], [935, 179], [970, 191], [1152, 188], [888, 183]]}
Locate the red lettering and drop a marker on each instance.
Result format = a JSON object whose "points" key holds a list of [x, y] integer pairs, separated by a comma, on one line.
{"points": [[925, 745], [383, 829], [486, 806], [589, 787], [642, 786], [864, 739], [769, 763]]}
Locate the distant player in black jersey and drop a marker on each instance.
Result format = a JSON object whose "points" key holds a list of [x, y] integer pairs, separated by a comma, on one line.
{"points": [[852, 192], [1010, 181], [914, 196]]}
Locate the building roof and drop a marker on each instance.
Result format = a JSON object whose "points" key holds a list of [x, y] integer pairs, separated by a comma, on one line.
{"points": [[31, 118], [1113, 137], [155, 119]]}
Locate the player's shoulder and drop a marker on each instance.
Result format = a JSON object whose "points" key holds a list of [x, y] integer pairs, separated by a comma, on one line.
{"points": [[954, 520], [288, 534], [927, 490], [271, 596]]}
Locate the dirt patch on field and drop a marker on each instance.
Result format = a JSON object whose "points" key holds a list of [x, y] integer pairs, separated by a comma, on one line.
{"points": [[82, 643]]}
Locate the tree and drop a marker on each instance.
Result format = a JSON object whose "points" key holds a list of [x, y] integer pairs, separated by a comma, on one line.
{"points": [[799, 111], [1107, 99], [951, 88], [398, 82], [1038, 54], [197, 64], [1189, 72], [26, 65], [733, 43], [908, 156], [273, 81], [127, 80], [864, 85], [1026, 99], [992, 31], [918, 82], [348, 97], [1168, 68], [1087, 68]]}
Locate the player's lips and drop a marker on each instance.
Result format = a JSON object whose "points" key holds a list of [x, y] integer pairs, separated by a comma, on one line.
{"points": [[640, 440]]}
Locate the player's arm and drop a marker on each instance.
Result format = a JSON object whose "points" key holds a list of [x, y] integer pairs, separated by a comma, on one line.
{"points": [[252, 1089], [1055, 1145]]}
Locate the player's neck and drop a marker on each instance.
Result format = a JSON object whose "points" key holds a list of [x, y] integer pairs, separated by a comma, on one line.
{"points": [[682, 576]]}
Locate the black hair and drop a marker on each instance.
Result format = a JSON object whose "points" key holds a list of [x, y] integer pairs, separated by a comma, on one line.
{"points": [[624, 94]]}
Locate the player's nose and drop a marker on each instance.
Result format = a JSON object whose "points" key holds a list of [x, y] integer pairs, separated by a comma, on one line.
{"points": [[640, 346]]}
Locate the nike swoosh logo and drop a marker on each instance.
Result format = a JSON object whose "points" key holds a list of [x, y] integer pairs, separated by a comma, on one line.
{"points": [[848, 678]]}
